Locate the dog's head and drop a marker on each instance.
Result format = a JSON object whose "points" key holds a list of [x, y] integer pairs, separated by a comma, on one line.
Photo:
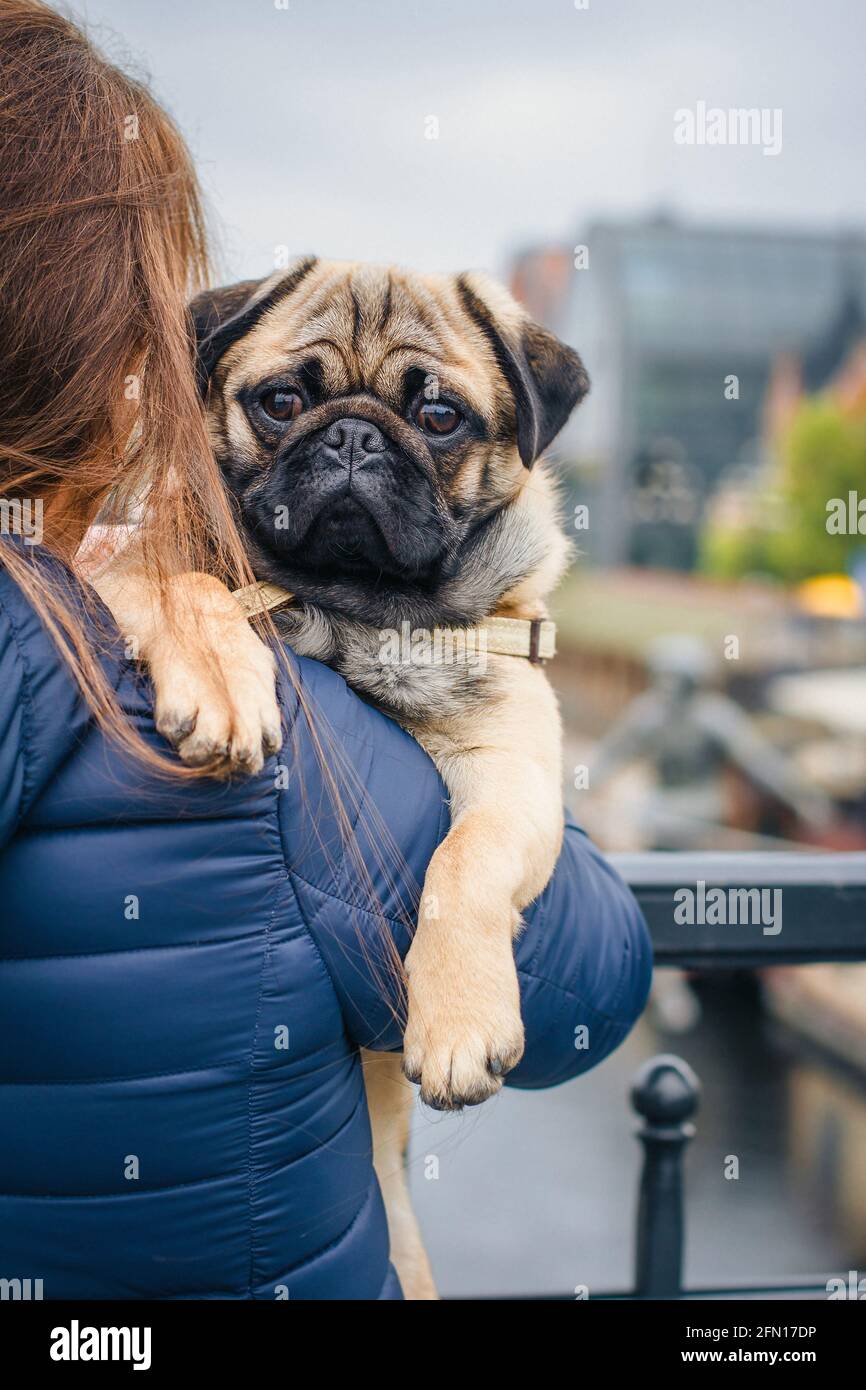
{"points": [[368, 420]]}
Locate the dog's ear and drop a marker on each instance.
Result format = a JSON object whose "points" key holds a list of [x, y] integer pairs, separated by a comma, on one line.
{"points": [[220, 317], [211, 310], [546, 377]]}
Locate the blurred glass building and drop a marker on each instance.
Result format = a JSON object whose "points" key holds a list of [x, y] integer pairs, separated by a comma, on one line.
{"points": [[684, 330]]}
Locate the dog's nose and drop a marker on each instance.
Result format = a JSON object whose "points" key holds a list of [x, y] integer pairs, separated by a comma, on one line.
{"points": [[354, 441]]}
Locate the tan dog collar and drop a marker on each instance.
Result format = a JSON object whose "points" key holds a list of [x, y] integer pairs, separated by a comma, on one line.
{"points": [[534, 638]]}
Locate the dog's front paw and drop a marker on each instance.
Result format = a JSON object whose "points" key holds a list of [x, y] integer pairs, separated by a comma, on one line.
{"points": [[464, 1029], [221, 711]]}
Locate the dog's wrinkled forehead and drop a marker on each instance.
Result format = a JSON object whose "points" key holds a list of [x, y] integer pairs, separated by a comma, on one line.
{"points": [[365, 327]]}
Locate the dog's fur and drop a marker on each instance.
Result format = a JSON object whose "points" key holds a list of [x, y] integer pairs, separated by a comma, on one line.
{"points": [[372, 523]]}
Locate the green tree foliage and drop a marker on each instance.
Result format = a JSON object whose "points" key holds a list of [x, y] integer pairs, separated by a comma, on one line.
{"points": [[822, 460]]}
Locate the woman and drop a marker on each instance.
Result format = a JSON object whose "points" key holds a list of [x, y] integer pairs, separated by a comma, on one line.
{"points": [[188, 968]]}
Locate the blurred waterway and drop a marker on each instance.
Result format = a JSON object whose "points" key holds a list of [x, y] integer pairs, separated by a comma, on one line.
{"points": [[536, 1191]]}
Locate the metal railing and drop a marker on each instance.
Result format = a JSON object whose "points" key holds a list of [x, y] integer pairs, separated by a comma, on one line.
{"points": [[823, 918]]}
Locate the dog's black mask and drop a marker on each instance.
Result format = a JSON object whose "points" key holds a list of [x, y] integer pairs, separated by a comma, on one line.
{"points": [[348, 494]]}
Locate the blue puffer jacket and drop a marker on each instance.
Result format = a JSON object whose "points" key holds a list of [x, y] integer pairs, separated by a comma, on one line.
{"points": [[186, 974]]}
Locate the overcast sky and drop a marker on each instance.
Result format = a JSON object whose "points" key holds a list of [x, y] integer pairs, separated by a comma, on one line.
{"points": [[308, 124]]}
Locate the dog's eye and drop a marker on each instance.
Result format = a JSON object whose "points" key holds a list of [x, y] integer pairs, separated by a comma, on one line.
{"points": [[436, 418], [282, 405]]}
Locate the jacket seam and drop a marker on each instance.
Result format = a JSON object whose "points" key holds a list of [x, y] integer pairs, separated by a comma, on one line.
{"points": [[158, 1188], [122, 1080], [291, 875], [27, 712], [137, 950], [311, 936], [115, 1196], [252, 1080], [329, 976]]}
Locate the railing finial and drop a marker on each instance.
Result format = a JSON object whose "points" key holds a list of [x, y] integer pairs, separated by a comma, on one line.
{"points": [[665, 1092]]}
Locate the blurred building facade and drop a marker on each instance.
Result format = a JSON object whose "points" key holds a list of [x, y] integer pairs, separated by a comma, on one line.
{"points": [[693, 337]]}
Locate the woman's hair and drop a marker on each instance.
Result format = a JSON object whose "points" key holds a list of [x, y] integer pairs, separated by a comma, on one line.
{"points": [[101, 242]]}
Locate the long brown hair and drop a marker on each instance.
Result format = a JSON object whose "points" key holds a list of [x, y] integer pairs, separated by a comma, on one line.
{"points": [[101, 242]]}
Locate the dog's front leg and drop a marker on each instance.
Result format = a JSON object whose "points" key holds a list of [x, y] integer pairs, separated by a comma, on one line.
{"points": [[502, 768], [214, 679]]}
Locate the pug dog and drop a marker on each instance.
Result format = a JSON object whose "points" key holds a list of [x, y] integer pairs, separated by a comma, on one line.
{"points": [[382, 433]]}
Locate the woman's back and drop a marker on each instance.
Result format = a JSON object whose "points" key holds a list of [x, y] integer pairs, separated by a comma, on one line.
{"points": [[186, 973], [188, 970]]}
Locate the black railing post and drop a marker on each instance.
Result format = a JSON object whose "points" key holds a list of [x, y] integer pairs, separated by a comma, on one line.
{"points": [[665, 1092]]}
